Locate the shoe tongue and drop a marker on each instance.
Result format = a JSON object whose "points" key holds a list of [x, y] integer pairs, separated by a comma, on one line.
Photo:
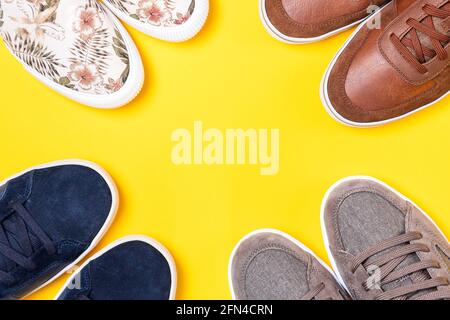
{"points": [[10, 227], [441, 26]]}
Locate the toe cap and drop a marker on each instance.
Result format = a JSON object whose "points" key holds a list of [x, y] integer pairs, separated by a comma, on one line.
{"points": [[70, 202]]}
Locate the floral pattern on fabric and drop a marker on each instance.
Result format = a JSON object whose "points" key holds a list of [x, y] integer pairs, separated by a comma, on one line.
{"points": [[164, 13], [73, 43]]}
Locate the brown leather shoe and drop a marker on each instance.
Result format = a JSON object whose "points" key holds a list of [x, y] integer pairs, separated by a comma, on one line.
{"points": [[384, 74], [305, 21]]}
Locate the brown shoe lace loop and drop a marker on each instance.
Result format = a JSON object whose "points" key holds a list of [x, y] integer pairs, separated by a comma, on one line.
{"points": [[413, 50]]}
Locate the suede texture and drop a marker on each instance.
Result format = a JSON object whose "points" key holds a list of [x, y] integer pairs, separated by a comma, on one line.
{"points": [[70, 204], [268, 266], [361, 213], [314, 18], [133, 270], [364, 86]]}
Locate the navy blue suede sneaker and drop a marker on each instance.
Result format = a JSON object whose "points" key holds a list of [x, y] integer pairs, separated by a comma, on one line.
{"points": [[131, 268], [51, 216]]}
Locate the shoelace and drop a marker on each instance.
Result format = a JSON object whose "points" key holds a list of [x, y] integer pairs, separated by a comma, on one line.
{"points": [[20, 230], [426, 27], [313, 292], [388, 273]]}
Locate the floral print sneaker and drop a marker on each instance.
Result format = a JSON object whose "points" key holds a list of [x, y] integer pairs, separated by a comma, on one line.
{"points": [[77, 48], [170, 20]]}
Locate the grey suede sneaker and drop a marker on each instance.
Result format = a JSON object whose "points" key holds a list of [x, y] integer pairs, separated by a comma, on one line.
{"points": [[381, 245], [271, 265]]}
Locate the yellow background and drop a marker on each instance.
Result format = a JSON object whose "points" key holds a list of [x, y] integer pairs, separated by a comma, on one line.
{"points": [[232, 75]]}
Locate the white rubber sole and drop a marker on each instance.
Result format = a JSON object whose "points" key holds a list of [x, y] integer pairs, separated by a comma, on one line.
{"points": [[322, 217], [291, 40], [108, 221], [177, 33], [150, 241], [126, 94], [276, 232], [332, 111]]}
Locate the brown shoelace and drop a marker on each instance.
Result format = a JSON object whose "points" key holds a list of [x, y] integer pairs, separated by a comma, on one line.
{"points": [[401, 247], [313, 292], [426, 27]]}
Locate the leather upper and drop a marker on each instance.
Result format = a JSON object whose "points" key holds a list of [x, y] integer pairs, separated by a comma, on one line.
{"points": [[372, 81], [312, 18], [317, 12]]}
